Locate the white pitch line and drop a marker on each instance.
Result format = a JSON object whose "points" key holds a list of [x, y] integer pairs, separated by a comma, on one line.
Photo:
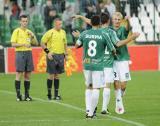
{"points": [[80, 109], [31, 121]]}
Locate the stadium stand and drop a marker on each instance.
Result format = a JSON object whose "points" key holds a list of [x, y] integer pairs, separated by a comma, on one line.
{"points": [[37, 26], [14, 24], [147, 23]]}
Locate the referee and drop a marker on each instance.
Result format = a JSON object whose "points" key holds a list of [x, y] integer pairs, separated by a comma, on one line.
{"points": [[22, 39], [54, 43]]}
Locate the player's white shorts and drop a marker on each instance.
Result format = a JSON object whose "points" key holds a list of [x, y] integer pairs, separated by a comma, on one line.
{"points": [[108, 75], [96, 78], [121, 71]]}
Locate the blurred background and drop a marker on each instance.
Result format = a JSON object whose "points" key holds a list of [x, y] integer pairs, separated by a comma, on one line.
{"points": [[145, 16]]}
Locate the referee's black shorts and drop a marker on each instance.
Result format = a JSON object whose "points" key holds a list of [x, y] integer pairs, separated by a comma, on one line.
{"points": [[55, 66], [24, 61]]}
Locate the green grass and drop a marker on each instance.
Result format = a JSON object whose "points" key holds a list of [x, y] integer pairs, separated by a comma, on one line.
{"points": [[141, 102]]}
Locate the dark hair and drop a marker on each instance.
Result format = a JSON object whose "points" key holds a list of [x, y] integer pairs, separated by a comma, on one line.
{"points": [[104, 18], [22, 16], [57, 19], [95, 20]]}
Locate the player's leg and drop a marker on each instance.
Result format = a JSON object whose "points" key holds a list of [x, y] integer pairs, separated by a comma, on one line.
{"points": [[58, 60], [123, 88], [106, 99], [88, 94], [108, 78], [20, 68], [29, 67], [18, 85], [49, 85], [56, 87], [27, 86], [117, 88], [120, 86], [119, 108], [124, 75], [98, 82], [94, 101], [51, 70], [88, 91]]}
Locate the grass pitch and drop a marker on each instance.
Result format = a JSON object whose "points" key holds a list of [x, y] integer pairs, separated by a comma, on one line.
{"points": [[141, 103]]}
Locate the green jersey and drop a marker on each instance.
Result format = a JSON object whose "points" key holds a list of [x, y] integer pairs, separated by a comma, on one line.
{"points": [[109, 56], [122, 51], [94, 42]]}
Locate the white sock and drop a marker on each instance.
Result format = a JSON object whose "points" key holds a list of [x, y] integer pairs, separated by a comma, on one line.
{"points": [[106, 98], [95, 98], [88, 97], [119, 102], [118, 94]]}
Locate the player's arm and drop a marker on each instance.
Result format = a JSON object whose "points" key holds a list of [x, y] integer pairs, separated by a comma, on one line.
{"points": [[46, 50], [78, 43], [33, 39], [76, 34], [109, 42], [43, 45], [129, 39], [127, 26], [44, 41], [86, 20], [14, 44], [113, 36], [77, 46]]}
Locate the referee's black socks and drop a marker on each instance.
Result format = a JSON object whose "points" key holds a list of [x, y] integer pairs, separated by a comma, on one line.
{"points": [[56, 87], [26, 88], [49, 87], [17, 87]]}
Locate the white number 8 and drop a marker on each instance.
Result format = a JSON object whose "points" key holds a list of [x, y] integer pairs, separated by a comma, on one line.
{"points": [[92, 48]]}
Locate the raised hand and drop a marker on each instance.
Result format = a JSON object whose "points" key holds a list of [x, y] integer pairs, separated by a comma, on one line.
{"points": [[76, 33], [135, 35]]}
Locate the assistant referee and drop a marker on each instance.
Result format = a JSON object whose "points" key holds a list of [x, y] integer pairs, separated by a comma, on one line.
{"points": [[22, 39], [54, 43]]}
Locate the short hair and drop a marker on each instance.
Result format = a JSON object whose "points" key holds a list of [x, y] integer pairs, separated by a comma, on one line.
{"points": [[57, 19], [117, 14], [95, 20], [104, 18], [23, 16]]}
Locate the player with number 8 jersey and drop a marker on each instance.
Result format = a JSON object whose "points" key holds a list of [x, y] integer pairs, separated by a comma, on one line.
{"points": [[94, 42]]}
